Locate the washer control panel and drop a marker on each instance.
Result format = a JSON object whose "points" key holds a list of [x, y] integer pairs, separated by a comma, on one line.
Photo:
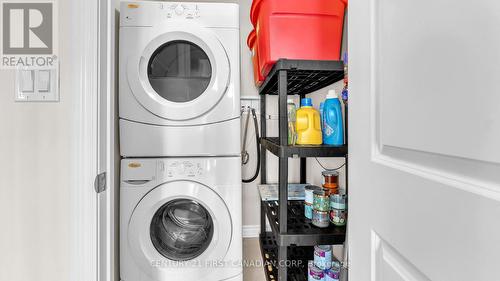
{"points": [[181, 168], [175, 10]]}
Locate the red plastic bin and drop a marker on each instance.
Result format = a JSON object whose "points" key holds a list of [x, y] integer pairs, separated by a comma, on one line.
{"points": [[297, 29], [252, 44]]}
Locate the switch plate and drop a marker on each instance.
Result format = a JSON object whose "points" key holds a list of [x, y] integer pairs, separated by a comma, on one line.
{"points": [[40, 84]]}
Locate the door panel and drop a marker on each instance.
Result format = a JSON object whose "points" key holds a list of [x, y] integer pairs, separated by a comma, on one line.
{"points": [[432, 58], [424, 126], [391, 265]]}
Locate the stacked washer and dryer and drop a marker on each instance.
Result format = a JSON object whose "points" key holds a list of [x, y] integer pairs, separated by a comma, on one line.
{"points": [[179, 107]]}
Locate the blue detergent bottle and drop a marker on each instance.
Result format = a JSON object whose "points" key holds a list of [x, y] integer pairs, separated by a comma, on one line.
{"points": [[333, 127]]}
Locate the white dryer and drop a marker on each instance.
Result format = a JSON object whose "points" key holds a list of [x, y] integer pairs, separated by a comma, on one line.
{"points": [[180, 219], [179, 78]]}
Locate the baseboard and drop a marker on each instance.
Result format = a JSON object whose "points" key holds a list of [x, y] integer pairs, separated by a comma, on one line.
{"points": [[253, 231]]}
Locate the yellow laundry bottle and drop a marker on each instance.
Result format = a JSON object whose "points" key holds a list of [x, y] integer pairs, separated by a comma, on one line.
{"points": [[308, 124]]}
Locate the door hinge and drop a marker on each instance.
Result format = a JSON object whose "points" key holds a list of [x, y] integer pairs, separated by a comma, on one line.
{"points": [[100, 182]]}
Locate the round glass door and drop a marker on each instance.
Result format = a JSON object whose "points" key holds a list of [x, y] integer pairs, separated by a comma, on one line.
{"points": [[179, 71], [179, 221], [181, 230], [180, 74]]}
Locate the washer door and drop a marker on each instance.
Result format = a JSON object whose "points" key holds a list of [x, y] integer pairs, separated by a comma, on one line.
{"points": [[181, 74], [182, 229], [178, 230]]}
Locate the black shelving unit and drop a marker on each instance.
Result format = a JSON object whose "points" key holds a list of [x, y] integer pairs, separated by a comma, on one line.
{"points": [[300, 230], [299, 256], [273, 146], [293, 235]]}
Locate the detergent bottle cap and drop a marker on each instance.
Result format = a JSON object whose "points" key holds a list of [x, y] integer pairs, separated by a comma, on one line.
{"points": [[306, 102], [332, 94]]}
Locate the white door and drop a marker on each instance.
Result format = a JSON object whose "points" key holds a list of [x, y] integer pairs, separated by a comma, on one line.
{"points": [[424, 140]]}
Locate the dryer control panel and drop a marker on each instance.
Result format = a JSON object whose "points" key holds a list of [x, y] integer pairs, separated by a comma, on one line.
{"points": [[154, 13]]}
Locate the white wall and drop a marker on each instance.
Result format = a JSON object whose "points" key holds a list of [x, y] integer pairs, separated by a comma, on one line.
{"points": [[37, 144]]}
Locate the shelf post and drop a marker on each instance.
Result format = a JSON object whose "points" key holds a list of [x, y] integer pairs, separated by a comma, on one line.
{"points": [[282, 263], [303, 160], [283, 171], [263, 134], [282, 104], [303, 170], [263, 166]]}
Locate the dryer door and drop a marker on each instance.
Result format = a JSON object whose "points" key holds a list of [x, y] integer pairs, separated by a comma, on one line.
{"points": [[181, 74], [178, 230]]}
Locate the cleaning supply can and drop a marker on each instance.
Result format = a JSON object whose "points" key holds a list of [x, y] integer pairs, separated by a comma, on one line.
{"points": [[338, 201], [309, 193], [332, 274], [308, 124], [345, 91], [338, 217], [321, 201], [331, 180], [309, 200], [333, 127], [308, 210], [320, 219], [314, 273], [323, 256]]}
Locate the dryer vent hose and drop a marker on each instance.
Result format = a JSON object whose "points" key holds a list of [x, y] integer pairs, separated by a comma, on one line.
{"points": [[257, 142]]}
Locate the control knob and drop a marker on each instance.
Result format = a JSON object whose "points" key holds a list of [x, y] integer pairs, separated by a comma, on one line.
{"points": [[179, 10]]}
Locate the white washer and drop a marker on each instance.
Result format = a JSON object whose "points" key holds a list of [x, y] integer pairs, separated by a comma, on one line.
{"points": [[181, 219], [179, 75]]}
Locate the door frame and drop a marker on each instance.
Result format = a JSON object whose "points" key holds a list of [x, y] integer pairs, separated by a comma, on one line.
{"points": [[84, 227], [91, 245], [107, 227]]}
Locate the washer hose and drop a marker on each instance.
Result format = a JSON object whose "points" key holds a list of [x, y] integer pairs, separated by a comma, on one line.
{"points": [[257, 141]]}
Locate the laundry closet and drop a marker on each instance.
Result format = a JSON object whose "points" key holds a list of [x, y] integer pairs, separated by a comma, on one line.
{"points": [[313, 131]]}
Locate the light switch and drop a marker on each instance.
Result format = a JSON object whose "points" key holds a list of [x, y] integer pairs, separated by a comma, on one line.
{"points": [[27, 83], [43, 81], [37, 84]]}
